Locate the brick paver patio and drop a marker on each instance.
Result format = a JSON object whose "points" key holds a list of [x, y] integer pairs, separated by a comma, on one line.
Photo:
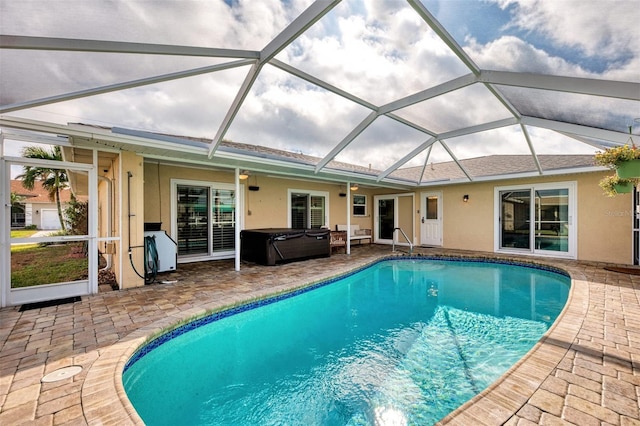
{"points": [[585, 371]]}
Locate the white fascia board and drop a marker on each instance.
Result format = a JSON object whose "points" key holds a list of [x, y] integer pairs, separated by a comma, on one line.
{"points": [[54, 164], [145, 142], [584, 86], [281, 168], [33, 137], [96, 133], [160, 137], [39, 126], [83, 45], [258, 164], [590, 132], [122, 86]]}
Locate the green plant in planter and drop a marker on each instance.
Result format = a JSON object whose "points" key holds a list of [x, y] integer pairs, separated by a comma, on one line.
{"points": [[614, 185], [613, 157]]}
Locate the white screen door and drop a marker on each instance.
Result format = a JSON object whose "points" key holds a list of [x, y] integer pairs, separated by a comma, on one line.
{"points": [[431, 219]]}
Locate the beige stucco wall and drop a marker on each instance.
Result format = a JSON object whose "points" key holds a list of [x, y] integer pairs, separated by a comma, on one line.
{"points": [[122, 267], [265, 208], [406, 218], [604, 223]]}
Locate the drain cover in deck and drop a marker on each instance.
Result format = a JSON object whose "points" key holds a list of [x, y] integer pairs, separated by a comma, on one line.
{"points": [[61, 374]]}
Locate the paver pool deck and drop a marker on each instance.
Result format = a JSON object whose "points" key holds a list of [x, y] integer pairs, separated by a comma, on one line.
{"points": [[585, 371]]}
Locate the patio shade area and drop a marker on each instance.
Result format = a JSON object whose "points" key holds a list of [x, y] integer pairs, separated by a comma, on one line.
{"points": [[374, 91]]}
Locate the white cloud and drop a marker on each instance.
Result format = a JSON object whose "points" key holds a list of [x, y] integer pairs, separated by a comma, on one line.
{"points": [[378, 50], [513, 54], [597, 28]]}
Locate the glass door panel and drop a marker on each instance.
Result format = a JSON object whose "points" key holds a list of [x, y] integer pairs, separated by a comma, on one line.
{"points": [[223, 222], [552, 220], [432, 207], [386, 219], [193, 220], [299, 203], [515, 224], [317, 211]]}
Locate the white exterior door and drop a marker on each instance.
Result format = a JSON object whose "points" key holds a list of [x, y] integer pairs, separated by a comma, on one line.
{"points": [[431, 218]]}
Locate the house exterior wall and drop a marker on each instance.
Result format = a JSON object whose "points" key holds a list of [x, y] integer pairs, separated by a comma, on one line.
{"points": [[406, 219], [130, 162], [604, 223], [265, 208]]}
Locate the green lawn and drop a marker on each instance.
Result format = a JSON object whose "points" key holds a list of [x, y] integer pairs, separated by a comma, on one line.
{"points": [[23, 233], [33, 264]]}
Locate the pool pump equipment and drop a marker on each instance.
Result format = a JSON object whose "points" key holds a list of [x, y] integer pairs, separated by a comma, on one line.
{"points": [[160, 251]]}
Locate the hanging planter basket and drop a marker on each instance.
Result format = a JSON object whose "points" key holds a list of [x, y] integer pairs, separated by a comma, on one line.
{"points": [[628, 169], [613, 185], [623, 187]]}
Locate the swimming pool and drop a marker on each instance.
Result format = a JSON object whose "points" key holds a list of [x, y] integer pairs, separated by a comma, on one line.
{"points": [[401, 341]]}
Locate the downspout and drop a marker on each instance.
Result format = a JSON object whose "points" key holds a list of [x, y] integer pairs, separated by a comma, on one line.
{"points": [[109, 256]]}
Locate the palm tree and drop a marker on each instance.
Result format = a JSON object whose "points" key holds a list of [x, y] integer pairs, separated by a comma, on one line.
{"points": [[53, 180], [16, 199]]}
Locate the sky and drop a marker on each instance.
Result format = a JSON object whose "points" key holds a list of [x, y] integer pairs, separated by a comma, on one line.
{"points": [[379, 51]]}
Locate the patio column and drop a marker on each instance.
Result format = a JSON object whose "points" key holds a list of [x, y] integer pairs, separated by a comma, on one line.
{"points": [[348, 217], [5, 247], [237, 213]]}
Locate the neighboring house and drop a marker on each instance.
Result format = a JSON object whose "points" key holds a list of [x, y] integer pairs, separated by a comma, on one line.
{"points": [[36, 208]]}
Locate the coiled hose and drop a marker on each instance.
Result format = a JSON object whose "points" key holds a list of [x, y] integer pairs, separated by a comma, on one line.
{"points": [[150, 259]]}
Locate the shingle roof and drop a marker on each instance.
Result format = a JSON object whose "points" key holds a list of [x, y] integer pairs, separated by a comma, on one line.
{"points": [[38, 194], [495, 165], [478, 167]]}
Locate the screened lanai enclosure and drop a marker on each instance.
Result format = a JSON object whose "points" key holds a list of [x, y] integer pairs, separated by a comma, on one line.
{"points": [[377, 85], [387, 94]]}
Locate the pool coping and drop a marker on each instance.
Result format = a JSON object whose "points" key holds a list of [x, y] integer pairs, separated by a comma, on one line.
{"points": [[495, 405]]}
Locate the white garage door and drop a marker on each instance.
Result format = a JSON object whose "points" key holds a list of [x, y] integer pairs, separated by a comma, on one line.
{"points": [[49, 219]]}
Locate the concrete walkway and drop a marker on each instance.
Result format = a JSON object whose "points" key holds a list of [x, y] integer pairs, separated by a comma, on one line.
{"points": [[585, 371]]}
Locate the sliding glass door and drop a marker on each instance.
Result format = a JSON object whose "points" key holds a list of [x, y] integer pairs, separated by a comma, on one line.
{"points": [[537, 219], [308, 209], [551, 214], [515, 219], [193, 220], [204, 221], [393, 212]]}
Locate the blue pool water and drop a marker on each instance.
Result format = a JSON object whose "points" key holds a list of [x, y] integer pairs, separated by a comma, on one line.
{"points": [[400, 342]]}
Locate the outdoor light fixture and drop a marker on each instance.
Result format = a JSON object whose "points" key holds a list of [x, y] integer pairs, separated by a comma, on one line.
{"points": [[354, 186], [465, 198], [244, 175]]}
